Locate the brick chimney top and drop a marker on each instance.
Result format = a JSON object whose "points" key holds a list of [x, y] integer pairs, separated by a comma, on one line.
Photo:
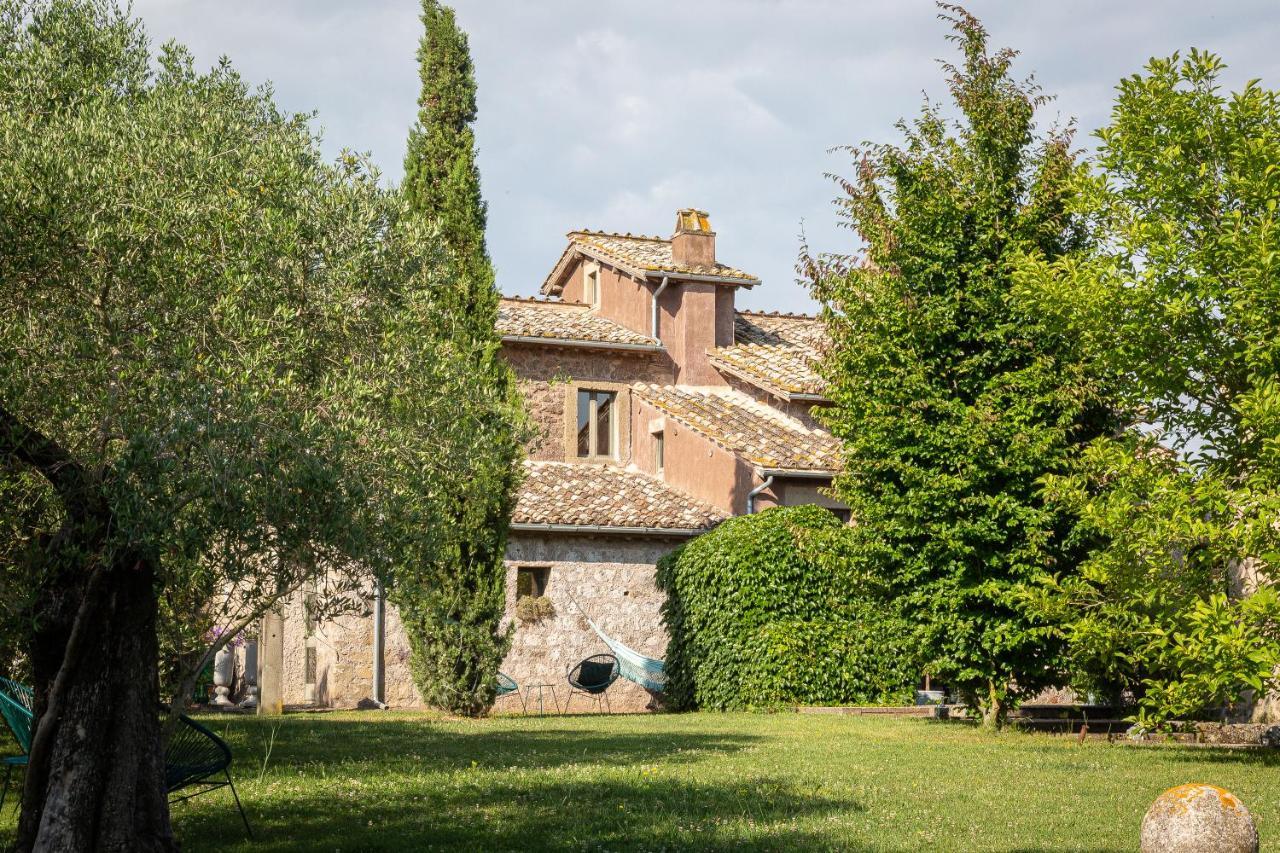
{"points": [[693, 243]]}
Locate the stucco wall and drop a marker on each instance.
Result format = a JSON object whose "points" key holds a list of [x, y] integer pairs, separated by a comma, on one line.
{"points": [[693, 464]]}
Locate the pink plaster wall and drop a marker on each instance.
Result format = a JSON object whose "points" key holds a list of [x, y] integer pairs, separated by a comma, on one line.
{"points": [[694, 465]]}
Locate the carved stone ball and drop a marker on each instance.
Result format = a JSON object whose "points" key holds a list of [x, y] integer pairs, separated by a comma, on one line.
{"points": [[1198, 819]]}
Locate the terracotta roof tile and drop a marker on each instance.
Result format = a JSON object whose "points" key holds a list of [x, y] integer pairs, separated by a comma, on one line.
{"points": [[641, 255], [758, 433], [776, 351], [564, 321], [605, 495]]}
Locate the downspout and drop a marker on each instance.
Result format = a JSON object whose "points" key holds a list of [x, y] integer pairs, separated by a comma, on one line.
{"points": [[379, 645], [653, 327], [751, 495]]}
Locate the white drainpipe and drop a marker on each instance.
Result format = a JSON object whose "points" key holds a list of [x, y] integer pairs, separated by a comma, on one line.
{"points": [[751, 495], [654, 325]]}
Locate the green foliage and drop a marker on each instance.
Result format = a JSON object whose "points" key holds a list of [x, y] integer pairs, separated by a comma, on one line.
{"points": [[951, 402], [441, 178], [249, 351], [1177, 292], [452, 603], [760, 616]]}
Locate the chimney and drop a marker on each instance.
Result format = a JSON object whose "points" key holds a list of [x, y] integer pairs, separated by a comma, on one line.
{"points": [[693, 243]]}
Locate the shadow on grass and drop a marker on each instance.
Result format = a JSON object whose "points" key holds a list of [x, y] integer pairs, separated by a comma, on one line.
{"points": [[433, 746], [551, 814], [410, 784]]}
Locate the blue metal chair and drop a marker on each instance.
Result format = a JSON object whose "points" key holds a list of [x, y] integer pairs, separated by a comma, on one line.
{"points": [[193, 758], [506, 685], [16, 702]]}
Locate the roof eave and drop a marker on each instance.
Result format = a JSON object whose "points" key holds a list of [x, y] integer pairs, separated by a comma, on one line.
{"points": [[581, 343], [720, 363], [669, 532], [798, 473]]}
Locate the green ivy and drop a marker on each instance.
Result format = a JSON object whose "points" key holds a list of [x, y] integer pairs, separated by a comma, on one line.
{"points": [[760, 615]]}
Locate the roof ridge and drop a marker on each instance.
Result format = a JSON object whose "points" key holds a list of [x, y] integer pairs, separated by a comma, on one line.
{"points": [[786, 314], [543, 300], [628, 235]]}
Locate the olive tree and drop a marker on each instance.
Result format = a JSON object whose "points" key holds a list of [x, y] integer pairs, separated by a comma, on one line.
{"points": [[224, 368]]}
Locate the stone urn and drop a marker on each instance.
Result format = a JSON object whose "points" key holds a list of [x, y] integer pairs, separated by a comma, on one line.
{"points": [[224, 669], [1198, 819]]}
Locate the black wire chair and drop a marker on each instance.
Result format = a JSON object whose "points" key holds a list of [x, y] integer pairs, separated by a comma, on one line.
{"points": [[197, 758], [593, 677]]}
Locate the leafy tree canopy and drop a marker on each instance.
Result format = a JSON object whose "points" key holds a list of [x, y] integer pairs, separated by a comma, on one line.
{"points": [[226, 366], [951, 402], [1177, 293]]}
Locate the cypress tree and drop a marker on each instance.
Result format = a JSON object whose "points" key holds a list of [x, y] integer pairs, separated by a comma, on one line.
{"points": [[452, 607]]}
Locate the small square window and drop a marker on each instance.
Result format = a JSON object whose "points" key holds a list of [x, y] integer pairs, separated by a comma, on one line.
{"points": [[532, 580]]}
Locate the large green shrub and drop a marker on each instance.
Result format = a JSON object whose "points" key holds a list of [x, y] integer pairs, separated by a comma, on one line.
{"points": [[760, 614]]}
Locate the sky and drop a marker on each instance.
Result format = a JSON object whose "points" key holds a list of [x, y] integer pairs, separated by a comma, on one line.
{"points": [[613, 114]]}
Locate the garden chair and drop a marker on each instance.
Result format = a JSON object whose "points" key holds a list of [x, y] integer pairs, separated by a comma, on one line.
{"points": [[506, 686], [193, 757], [593, 677], [15, 706]]}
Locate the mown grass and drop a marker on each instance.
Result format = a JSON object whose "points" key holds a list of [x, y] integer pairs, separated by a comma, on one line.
{"points": [[405, 781]]}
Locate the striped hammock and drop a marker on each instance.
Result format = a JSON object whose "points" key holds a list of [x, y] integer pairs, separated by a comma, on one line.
{"points": [[633, 666]]}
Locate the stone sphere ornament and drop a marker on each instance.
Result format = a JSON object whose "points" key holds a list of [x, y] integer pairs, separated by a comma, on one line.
{"points": [[1198, 819]]}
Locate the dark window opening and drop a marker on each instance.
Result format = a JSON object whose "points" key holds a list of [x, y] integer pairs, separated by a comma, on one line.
{"points": [[595, 423], [532, 580], [844, 514]]}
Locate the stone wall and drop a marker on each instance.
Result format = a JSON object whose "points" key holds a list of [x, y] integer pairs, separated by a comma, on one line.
{"points": [[612, 578], [545, 371]]}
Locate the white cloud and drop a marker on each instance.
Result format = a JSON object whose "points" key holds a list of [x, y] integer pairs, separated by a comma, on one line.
{"points": [[611, 115]]}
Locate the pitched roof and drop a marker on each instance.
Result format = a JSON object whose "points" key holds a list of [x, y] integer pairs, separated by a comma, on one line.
{"points": [[556, 493], [567, 322], [640, 256], [778, 352], [761, 434]]}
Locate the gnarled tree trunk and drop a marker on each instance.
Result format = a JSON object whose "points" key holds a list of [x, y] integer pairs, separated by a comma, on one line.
{"points": [[96, 774], [95, 778]]}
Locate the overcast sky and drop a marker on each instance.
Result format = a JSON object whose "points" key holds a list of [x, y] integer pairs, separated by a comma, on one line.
{"points": [[612, 115]]}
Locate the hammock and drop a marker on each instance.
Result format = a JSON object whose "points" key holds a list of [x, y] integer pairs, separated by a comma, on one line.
{"points": [[649, 673], [633, 666]]}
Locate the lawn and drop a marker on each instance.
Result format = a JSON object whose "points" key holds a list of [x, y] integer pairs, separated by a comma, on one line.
{"points": [[404, 781]]}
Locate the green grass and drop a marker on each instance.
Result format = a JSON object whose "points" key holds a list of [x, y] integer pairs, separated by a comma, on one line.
{"points": [[403, 781]]}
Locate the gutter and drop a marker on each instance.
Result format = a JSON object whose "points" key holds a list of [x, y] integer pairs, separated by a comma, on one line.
{"points": [[527, 527], [798, 473], [584, 344], [653, 328], [751, 495]]}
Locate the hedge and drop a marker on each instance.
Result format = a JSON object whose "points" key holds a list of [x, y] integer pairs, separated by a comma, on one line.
{"points": [[763, 612]]}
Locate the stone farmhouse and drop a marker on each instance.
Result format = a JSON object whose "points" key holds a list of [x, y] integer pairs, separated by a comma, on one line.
{"points": [[661, 410]]}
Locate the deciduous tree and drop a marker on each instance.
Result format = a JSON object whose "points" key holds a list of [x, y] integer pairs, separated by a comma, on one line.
{"points": [[1177, 291], [951, 402]]}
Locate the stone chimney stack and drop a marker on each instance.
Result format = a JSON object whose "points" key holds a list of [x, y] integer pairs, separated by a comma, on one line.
{"points": [[693, 243]]}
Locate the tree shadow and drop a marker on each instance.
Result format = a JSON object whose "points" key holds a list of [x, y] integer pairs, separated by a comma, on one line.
{"points": [[428, 746], [644, 814], [417, 784]]}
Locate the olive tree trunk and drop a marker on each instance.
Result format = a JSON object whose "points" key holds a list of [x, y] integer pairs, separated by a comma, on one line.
{"points": [[96, 774]]}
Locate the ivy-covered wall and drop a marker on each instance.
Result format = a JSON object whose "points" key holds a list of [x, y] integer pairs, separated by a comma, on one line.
{"points": [[763, 611]]}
